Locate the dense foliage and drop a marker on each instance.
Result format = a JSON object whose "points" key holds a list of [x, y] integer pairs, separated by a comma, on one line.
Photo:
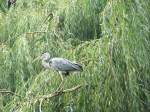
{"points": [[110, 38]]}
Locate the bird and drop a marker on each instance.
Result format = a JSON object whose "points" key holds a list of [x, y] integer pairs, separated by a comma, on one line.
{"points": [[63, 66]]}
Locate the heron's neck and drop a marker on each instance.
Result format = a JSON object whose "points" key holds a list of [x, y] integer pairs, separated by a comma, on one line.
{"points": [[46, 60], [45, 63]]}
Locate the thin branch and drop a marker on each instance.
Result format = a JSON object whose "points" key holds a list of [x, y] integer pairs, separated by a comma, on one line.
{"points": [[35, 32], [40, 106], [72, 89], [9, 92], [49, 15]]}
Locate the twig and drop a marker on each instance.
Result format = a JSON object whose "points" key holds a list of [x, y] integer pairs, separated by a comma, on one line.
{"points": [[36, 32], [9, 92], [72, 89], [40, 106], [50, 14]]}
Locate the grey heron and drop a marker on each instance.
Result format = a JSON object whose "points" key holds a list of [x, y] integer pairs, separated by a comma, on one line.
{"points": [[61, 65]]}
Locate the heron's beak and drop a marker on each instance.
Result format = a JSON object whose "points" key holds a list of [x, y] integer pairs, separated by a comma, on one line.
{"points": [[39, 57]]}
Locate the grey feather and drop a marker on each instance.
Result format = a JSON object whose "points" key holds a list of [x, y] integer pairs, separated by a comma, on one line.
{"points": [[61, 65]]}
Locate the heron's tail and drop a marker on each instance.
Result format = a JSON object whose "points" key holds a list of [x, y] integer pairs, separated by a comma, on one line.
{"points": [[80, 68]]}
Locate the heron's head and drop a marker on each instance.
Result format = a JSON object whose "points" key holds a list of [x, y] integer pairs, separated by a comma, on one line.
{"points": [[45, 56]]}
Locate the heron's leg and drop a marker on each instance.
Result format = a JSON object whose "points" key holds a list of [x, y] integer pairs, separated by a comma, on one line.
{"points": [[62, 83]]}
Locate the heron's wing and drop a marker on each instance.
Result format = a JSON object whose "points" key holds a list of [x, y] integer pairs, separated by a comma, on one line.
{"points": [[61, 64]]}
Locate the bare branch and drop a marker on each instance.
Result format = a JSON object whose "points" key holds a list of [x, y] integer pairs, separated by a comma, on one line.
{"points": [[9, 92], [57, 93]]}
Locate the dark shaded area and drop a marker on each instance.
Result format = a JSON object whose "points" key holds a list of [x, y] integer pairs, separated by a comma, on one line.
{"points": [[10, 2]]}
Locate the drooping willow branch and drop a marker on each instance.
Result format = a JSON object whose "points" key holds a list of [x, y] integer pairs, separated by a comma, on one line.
{"points": [[48, 17]]}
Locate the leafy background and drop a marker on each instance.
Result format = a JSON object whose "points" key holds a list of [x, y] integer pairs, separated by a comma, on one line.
{"points": [[110, 38]]}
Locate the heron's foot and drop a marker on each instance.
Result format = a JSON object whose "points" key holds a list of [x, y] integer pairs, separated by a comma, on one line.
{"points": [[60, 87]]}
